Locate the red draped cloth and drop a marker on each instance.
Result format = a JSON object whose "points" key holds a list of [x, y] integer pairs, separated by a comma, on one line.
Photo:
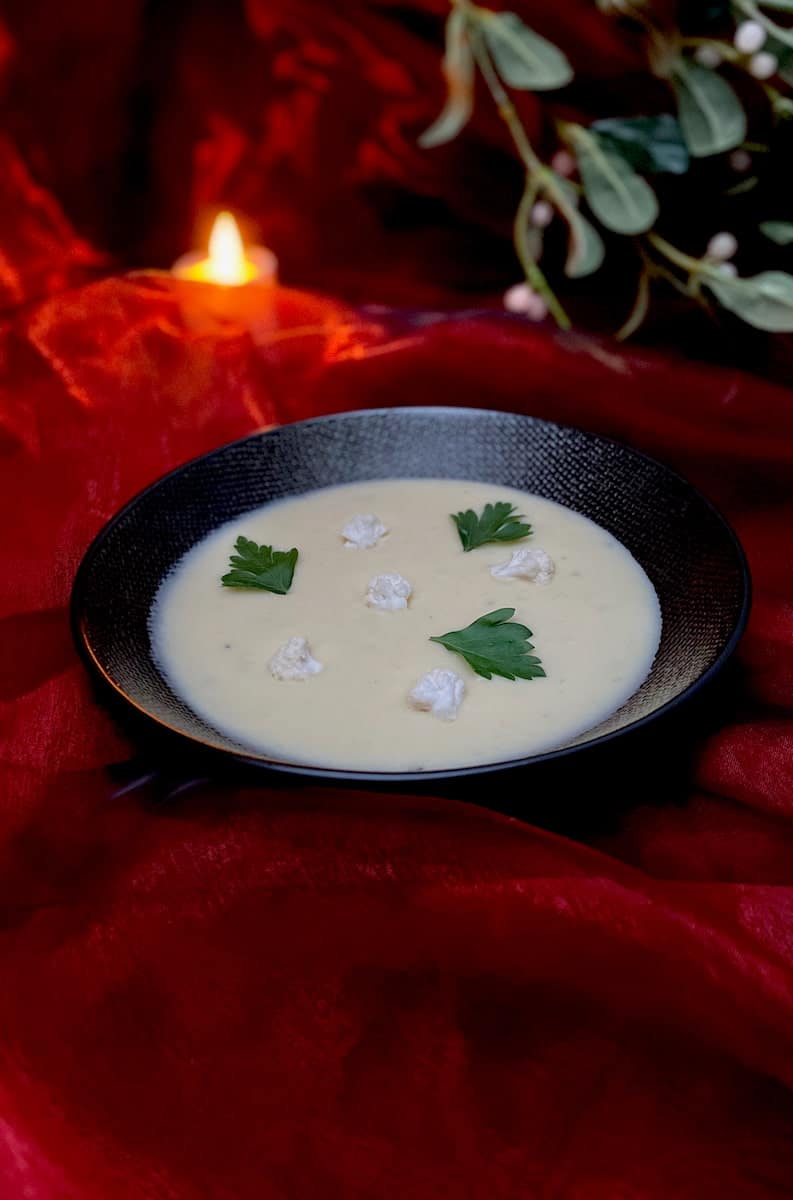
{"points": [[278, 992], [284, 991]]}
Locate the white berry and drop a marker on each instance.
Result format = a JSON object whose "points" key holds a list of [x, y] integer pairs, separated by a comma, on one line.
{"points": [[749, 37], [520, 298], [740, 160], [708, 56], [517, 299], [727, 268], [541, 214], [763, 65], [722, 246], [563, 163], [538, 309]]}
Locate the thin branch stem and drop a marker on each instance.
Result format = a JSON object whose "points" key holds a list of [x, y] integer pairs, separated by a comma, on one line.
{"points": [[726, 50], [530, 266], [535, 177], [695, 268], [506, 109], [639, 310], [685, 261]]}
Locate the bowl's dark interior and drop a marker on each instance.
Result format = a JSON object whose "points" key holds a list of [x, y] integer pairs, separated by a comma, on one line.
{"points": [[685, 547]]}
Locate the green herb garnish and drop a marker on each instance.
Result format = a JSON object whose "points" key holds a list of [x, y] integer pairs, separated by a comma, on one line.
{"points": [[495, 645], [498, 523], [255, 566]]}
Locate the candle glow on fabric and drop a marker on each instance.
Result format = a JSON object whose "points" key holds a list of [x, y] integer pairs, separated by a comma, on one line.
{"points": [[228, 262]]}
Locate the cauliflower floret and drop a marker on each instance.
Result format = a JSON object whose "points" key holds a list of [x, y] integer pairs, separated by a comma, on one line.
{"points": [[293, 661], [534, 565], [388, 592], [363, 531], [439, 692]]}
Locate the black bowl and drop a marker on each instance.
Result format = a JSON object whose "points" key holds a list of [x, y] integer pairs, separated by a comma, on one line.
{"points": [[691, 555]]}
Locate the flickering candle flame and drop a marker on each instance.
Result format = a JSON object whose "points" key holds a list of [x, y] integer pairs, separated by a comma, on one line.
{"points": [[228, 262]]}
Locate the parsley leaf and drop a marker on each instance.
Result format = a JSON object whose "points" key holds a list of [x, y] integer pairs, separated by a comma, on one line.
{"points": [[498, 523], [495, 645], [255, 566]]}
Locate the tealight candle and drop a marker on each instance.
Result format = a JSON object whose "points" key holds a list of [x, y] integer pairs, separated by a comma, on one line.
{"points": [[228, 262]]}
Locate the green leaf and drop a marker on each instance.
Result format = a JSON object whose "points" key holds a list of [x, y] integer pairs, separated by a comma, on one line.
{"points": [[711, 115], [586, 250], [785, 70], [783, 107], [524, 60], [784, 56], [764, 300], [498, 523], [494, 645], [255, 566], [780, 232], [620, 199], [650, 144], [458, 70]]}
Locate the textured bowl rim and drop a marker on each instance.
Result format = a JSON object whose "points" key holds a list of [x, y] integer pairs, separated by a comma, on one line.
{"points": [[85, 650]]}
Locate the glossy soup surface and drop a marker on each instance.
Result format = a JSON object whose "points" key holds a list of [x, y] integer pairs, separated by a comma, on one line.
{"points": [[596, 628]]}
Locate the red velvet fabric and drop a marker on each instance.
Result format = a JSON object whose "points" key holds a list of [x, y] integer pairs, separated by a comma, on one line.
{"points": [[286, 992], [301, 115], [39, 252], [283, 992], [71, 78]]}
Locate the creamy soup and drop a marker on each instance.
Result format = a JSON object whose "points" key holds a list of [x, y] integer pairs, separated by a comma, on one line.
{"points": [[595, 625]]}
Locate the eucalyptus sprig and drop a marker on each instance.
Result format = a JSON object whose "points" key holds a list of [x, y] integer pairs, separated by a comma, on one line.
{"points": [[615, 158]]}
